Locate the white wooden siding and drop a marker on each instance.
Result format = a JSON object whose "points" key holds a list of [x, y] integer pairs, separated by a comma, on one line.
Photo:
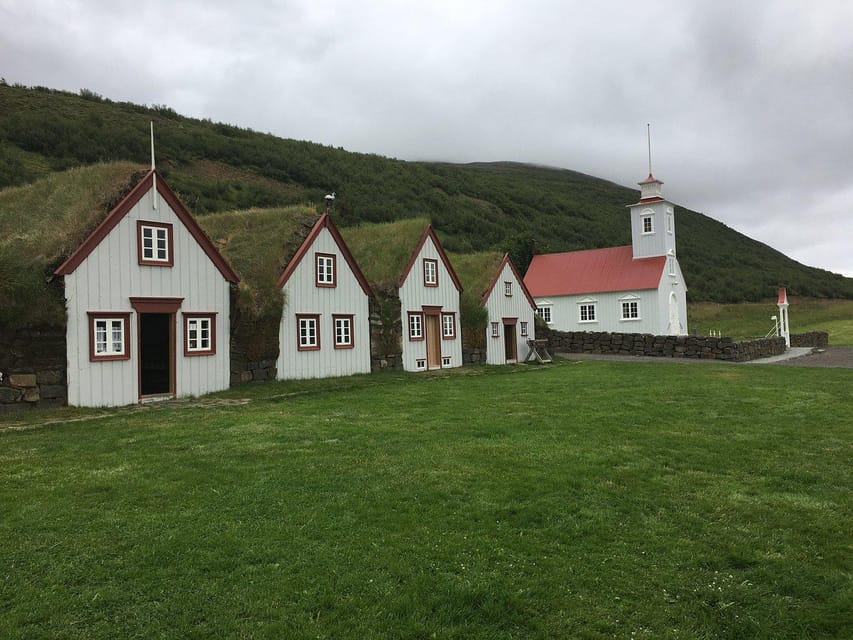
{"points": [[500, 306], [106, 280], [414, 296], [302, 296]]}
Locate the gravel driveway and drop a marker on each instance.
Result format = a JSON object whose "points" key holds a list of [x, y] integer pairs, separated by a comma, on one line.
{"points": [[840, 357]]}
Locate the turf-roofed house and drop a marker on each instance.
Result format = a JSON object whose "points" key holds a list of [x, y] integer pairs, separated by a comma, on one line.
{"points": [[303, 307], [497, 310], [632, 289], [148, 303], [417, 293]]}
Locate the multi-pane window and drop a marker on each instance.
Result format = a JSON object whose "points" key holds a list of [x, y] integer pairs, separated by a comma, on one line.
{"points": [[507, 288], [199, 334], [671, 262], [544, 313], [669, 225], [430, 272], [496, 329], [587, 312], [155, 243], [109, 336], [416, 326], [343, 332], [630, 309], [325, 270], [448, 326], [308, 335], [523, 329], [648, 224]]}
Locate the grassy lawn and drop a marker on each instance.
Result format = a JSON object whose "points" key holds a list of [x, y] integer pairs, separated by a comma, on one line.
{"points": [[579, 500], [752, 319]]}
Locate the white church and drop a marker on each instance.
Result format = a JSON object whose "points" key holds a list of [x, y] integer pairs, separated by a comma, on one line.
{"points": [[632, 289]]}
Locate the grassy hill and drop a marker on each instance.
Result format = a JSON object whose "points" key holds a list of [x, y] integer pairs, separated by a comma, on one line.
{"points": [[496, 206]]}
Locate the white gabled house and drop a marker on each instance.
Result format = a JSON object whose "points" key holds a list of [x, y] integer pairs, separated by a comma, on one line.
{"points": [[148, 304], [510, 309], [632, 289], [325, 323], [429, 291]]}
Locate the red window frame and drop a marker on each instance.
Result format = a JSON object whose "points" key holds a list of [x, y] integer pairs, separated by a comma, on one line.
{"points": [[315, 317], [211, 317], [351, 321], [94, 316], [434, 263], [452, 334], [325, 256], [420, 316], [170, 245]]}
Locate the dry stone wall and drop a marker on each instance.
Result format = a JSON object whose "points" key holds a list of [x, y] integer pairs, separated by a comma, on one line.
{"points": [[818, 339], [32, 365], [639, 344]]}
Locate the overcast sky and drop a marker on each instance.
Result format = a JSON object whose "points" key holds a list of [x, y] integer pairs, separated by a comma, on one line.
{"points": [[750, 102]]}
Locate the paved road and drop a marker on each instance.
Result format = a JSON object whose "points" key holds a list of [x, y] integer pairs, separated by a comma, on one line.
{"points": [[841, 357]]}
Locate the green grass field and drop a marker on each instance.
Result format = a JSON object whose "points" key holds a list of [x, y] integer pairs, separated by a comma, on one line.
{"points": [[752, 319], [579, 500]]}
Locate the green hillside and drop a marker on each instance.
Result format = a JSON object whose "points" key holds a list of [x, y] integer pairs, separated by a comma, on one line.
{"points": [[498, 206]]}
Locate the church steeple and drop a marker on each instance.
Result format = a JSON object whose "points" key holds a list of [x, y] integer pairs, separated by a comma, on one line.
{"points": [[652, 221]]}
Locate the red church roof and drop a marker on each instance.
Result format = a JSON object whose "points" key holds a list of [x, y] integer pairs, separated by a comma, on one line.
{"points": [[592, 271]]}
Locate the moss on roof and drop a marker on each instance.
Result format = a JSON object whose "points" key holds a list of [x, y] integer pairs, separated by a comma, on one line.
{"points": [[475, 271], [259, 243], [383, 250], [41, 224]]}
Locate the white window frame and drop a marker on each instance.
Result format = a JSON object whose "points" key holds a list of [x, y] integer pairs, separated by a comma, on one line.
{"points": [[524, 332], [629, 309], [155, 243], [544, 311], [496, 333], [416, 326], [650, 218], [342, 325], [448, 326], [194, 332], [325, 269], [307, 332], [508, 288], [585, 307], [114, 348], [430, 272]]}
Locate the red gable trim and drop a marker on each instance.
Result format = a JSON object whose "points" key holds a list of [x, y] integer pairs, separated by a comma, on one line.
{"points": [[324, 222], [430, 233], [592, 271], [507, 260], [121, 210]]}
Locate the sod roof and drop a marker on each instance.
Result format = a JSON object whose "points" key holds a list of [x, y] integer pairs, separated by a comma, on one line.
{"points": [[383, 250], [41, 224], [259, 243]]}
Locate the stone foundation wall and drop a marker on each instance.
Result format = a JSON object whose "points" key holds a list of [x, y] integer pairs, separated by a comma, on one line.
{"points": [[32, 364], [473, 356], [811, 339], [638, 344]]}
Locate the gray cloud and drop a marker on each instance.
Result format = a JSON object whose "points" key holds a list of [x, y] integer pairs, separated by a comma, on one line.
{"points": [[750, 103]]}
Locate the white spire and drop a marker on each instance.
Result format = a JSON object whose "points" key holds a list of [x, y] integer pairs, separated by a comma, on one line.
{"points": [[153, 166]]}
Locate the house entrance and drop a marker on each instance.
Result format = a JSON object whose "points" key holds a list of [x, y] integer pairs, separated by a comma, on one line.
{"points": [[156, 354], [510, 344], [433, 341]]}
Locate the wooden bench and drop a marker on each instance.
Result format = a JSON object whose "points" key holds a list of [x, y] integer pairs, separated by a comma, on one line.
{"points": [[538, 351]]}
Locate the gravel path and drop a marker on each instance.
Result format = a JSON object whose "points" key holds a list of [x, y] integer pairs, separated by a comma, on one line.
{"points": [[840, 357]]}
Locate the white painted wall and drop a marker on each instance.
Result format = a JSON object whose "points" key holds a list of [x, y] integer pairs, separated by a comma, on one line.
{"points": [[500, 306], [110, 276], [302, 296], [414, 296]]}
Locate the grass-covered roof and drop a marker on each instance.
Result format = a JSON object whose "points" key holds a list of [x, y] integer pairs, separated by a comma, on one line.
{"points": [[41, 224], [383, 250], [259, 243]]}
